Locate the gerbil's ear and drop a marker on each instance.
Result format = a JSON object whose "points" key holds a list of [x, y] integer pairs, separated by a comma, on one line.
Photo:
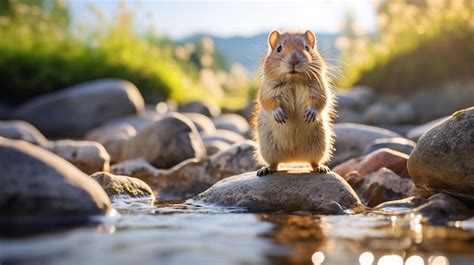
{"points": [[273, 38], [311, 38]]}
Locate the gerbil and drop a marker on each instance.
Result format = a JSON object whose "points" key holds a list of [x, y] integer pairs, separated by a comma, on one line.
{"points": [[292, 118]]}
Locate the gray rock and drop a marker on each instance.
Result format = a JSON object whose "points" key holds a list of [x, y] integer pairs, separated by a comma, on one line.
{"points": [[108, 132], [358, 98], [88, 156], [21, 130], [35, 183], [401, 205], [415, 133], [380, 186], [229, 137], [441, 208], [207, 108], [215, 146], [120, 186], [203, 123], [165, 143], [350, 115], [443, 159], [397, 143], [75, 110], [192, 176], [352, 138], [380, 113], [281, 191], [442, 100], [404, 113], [138, 122], [232, 122]]}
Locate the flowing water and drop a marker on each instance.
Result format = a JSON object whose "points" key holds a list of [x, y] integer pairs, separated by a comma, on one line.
{"points": [[175, 233]]}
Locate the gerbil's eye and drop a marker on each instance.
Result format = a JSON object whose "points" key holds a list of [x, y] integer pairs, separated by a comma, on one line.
{"points": [[279, 48], [306, 48]]}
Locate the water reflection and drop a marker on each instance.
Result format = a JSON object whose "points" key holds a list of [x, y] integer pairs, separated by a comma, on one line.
{"points": [[317, 258], [173, 233], [438, 260], [415, 260], [366, 258], [390, 260]]}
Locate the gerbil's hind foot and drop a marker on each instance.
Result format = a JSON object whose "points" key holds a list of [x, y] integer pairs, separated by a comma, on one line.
{"points": [[321, 169], [264, 171]]}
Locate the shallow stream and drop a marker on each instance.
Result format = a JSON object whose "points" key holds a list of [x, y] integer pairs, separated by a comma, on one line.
{"points": [[174, 233]]}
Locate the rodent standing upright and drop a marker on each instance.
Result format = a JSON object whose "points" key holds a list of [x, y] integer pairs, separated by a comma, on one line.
{"points": [[292, 117]]}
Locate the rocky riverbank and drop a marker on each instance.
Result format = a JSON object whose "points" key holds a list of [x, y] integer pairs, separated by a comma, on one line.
{"points": [[66, 154]]}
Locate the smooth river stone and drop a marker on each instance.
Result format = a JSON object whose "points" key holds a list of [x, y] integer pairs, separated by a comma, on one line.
{"points": [[282, 191]]}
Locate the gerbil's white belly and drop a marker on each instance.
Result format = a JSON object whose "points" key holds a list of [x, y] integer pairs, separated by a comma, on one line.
{"points": [[295, 140]]}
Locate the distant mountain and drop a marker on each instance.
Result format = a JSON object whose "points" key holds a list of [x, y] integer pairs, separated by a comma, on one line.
{"points": [[249, 51]]}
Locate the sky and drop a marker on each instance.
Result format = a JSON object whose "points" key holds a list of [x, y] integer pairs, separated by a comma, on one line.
{"points": [[225, 18]]}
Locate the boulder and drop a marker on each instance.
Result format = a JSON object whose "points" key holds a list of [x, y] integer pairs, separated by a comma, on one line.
{"points": [[192, 176], [232, 122], [215, 146], [112, 137], [358, 98], [138, 122], [441, 208], [401, 205], [443, 159], [229, 137], [75, 110], [207, 108], [203, 123], [352, 138], [397, 143], [404, 113], [374, 161], [21, 130], [282, 191], [380, 113], [350, 115], [415, 133], [88, 156], [38, 185], [380, 186], [165, 143], [122, 186]]}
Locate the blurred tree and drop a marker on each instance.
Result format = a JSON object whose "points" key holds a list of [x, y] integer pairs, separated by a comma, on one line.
{"points": [[418, 44]]}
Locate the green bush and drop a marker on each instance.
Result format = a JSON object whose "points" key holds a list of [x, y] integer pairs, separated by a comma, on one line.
{"points": [[419, 44], [40, 53]]}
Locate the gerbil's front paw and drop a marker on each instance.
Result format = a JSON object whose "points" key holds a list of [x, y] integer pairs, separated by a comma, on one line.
{"points": [[264, 171], [310, 115], [279, 115]]}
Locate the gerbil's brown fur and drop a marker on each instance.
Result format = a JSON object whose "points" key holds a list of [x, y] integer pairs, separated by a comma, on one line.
{"points": [[294, 106]]}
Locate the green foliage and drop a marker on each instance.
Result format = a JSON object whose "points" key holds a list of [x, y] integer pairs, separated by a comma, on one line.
{"points": [[39, 53], [419, 44]]}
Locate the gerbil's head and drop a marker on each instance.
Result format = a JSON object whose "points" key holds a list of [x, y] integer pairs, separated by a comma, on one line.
{"points": [[293, 57]]}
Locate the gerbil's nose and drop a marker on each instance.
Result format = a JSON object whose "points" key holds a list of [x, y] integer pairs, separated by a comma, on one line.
{"points": [[294, 61]]}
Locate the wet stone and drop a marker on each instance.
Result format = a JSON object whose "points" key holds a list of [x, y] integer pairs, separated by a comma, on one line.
{"points": [[282, 191]]}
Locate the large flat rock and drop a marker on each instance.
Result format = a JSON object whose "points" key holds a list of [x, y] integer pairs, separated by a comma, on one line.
{"points": [[282, 191]]}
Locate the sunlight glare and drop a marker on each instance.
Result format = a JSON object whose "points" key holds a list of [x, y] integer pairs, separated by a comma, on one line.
{"points": [[317, 258], [414, 260], [366, 258], [438, 260], [390, 260]]}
